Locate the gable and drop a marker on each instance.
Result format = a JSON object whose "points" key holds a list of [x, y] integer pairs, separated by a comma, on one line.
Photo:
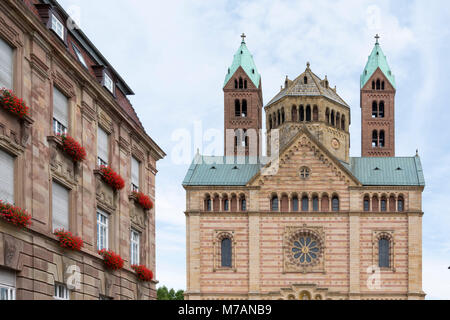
{"points": [[240, 73], [378, 74]]}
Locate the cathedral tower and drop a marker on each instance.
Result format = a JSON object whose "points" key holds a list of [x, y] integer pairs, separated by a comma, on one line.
{"points": [[243, 105], [377, 106]]}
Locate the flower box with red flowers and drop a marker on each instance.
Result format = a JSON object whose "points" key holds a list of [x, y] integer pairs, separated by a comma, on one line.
{"points": [[14, 215], [68, 240], [143, 273], [73, 149], [143, 200], [113, 179], [111, 259], [10, 102]]}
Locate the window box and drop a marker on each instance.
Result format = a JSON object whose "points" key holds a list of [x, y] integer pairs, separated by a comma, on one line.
{"points": [[73, 149], [143, 200], [11, 103], [112, 260], [143, 273], [68, 240], [113, 179], [14, 215]]}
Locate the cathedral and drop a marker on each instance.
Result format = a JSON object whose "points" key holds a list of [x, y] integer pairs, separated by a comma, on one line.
{"points": [[307, 221]]}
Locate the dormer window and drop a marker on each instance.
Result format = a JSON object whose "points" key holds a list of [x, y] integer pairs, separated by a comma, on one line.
{"points": [[58, 27], [79, 55], [108, 83]]}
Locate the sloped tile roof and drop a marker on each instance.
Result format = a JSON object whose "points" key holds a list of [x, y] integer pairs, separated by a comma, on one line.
{"points": [[376, 60]]}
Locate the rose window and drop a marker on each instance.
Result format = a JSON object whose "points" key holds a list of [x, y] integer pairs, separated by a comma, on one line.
{"points": [[306, 250]]}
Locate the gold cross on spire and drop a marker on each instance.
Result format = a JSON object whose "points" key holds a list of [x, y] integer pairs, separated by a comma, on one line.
{"points": [[243, 36], [377, 37]]}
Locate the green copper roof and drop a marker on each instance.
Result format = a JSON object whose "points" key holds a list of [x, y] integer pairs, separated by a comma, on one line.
{"points": [[243, 58], [377, 59], [221, 171], [399, 171]]}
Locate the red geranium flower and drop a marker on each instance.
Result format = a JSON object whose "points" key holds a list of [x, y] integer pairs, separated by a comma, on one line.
{"points": [[10, 102], [111, 259], [68, 240], [73, 148], [143, 273], [143, 200], [14, 215], [112, 178]]}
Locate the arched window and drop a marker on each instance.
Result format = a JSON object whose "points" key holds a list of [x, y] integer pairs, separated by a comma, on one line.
{"points": [[366, 204], [373, 85], [382, 85], [305, 204], [302, 113], [283, 118], [315, 203], [374, 139], [375, 204], [308, 113], [384, 253], [270, 122], [245, 84], [315, 113], [226, 253], [274, 204], [237, 108], [243, 202], [295, 203], [226, 204], [294, 114], [241, 83], [374, 109], [383, 204], [343, 123], [381, 110], [235, 83], [274, 120], [400, 204], [338, 119], [327, 115], [233, 203], [378, 84], [279, 117], [392, 203], [305, 80], [335, 203], [216, 203], [244, 108], [325, 203], [333, 119], [208, 203], [382, 140]]}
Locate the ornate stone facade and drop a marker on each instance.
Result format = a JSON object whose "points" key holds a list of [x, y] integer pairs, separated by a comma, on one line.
{"points": [[41, 62]]}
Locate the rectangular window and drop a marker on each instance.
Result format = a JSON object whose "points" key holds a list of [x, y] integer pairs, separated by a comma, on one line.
{"points": [[102, 230], [135, 245], [60, 207], [60, 112], [108, 83], [79, 55], [61, 292], [102, 147], [6, 65], [135, 174], [6, 177], [7, 285], [58, 27]]}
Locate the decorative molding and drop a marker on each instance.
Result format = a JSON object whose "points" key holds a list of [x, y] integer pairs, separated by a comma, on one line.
{"points": [[10, 34], [12, 248], [105, 195], [62, 167], [218, 236]]}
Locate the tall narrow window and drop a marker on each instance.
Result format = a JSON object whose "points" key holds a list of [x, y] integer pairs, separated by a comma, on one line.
{"points": [[7, 285], [333, 119], [381, 110], [383, 253], [315, 203], [244, 108], [383, 204], [305, 204], [382, 141], [135, 247], [60, 112], [302, 113], [61, 292], [382, 85], [60, 207], [327, 115], [308, 113], [295, 204], [366, 204], [135, 174], [241, 83], [400, 204], [237, 108], [343, 123], [58, 27], [108, 83], [235, 83], [243, 204], [374, 139], [102, 230], [245, 84], [335, 204], [208, 203], [226, 205], [226, 253], [378, 84], [315, 114], [6, 177], [294, 113], [6, 65], [275, 203], [374, 109], [102, 147], [305, 80]]}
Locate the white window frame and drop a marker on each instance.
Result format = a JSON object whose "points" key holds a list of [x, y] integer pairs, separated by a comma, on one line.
{"points": [[79, 55], [61, 292], [58, 27], [135, 185], [102, 230], [135, 239], [108, 83], [58, 126], [10, 67], [100, 160], [10, 292], [56, 184]]}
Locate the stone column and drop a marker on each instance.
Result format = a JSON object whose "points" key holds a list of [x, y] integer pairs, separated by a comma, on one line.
{"points": [[354, 268], [254, 255], [415, 256]]}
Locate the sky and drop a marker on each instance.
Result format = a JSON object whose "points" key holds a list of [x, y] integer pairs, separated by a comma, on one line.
{"points": [[175, 55]]}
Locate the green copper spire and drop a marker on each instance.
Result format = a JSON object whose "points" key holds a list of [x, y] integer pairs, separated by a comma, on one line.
{"points": [[377, 59], [244, 59]]}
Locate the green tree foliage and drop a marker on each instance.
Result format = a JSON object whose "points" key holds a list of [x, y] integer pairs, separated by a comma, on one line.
{"points": [[165, 294]]}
